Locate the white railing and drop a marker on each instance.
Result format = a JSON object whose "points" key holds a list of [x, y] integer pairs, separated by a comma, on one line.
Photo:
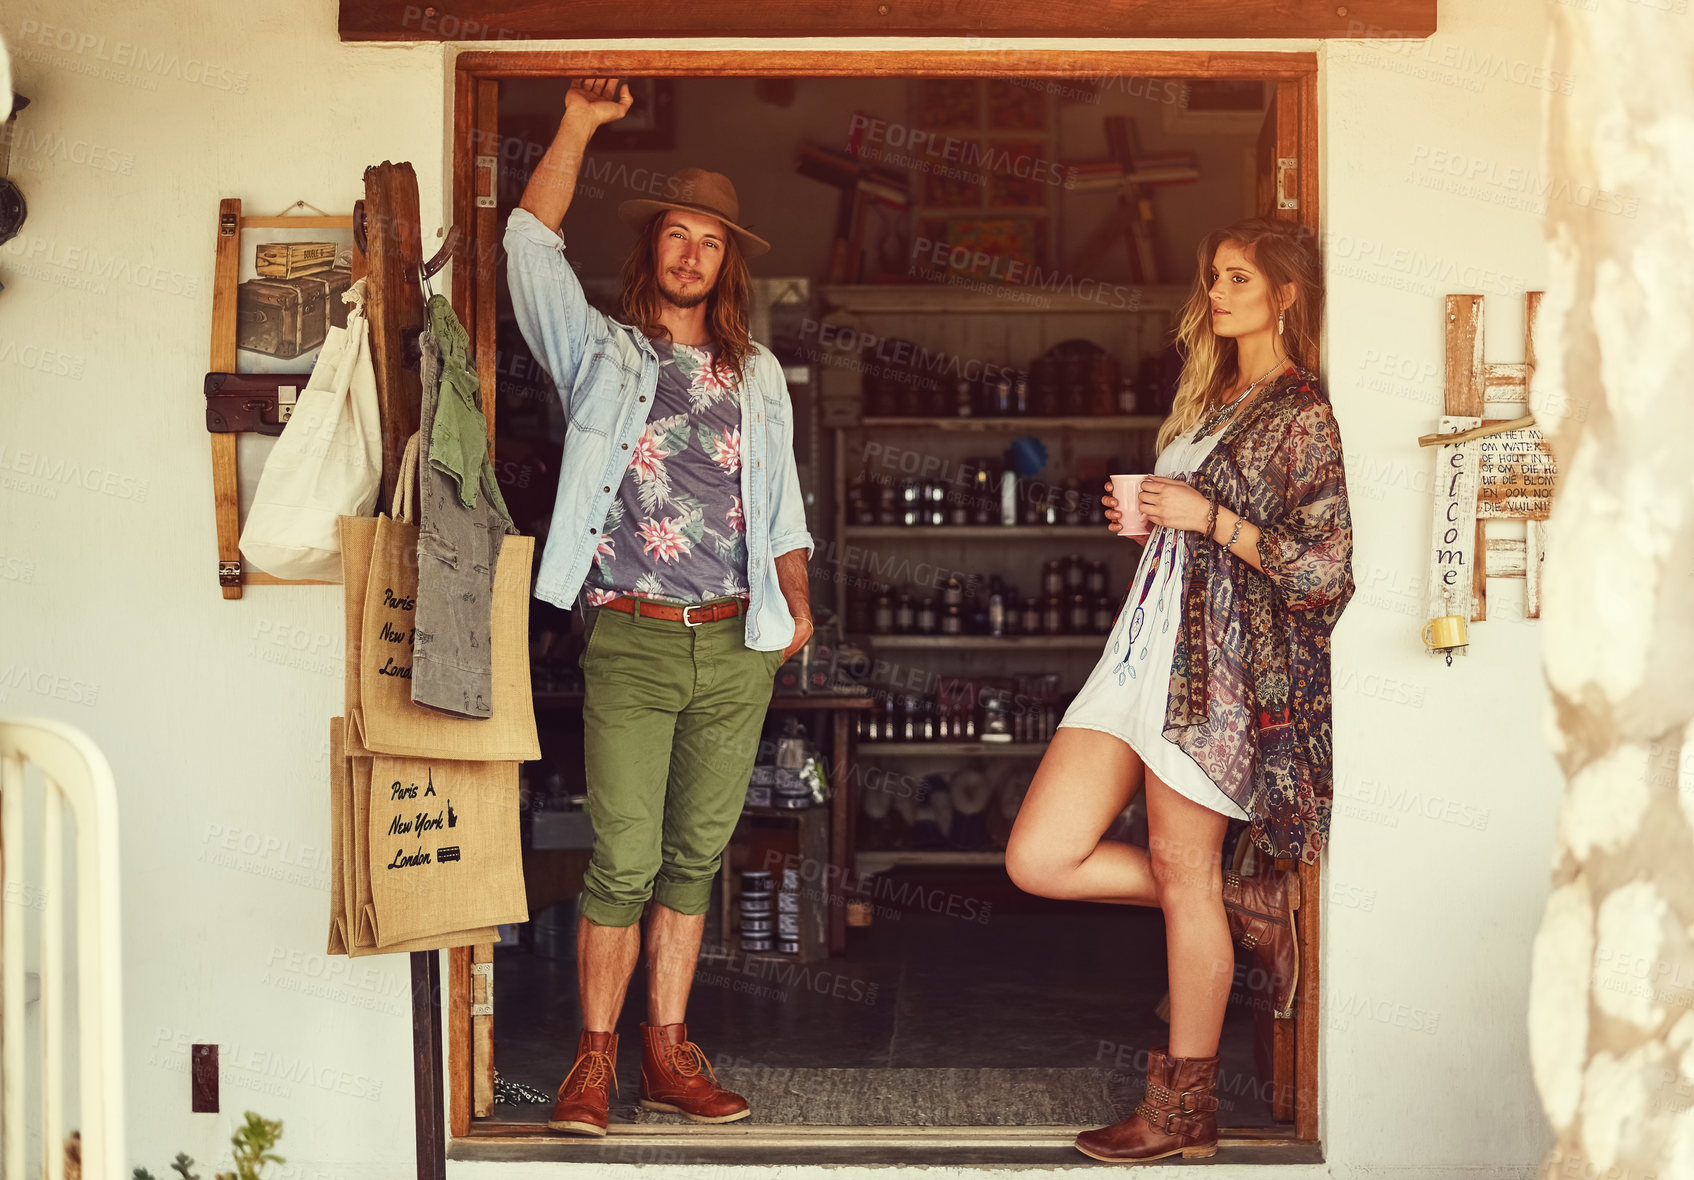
{"points": [[75, 783]]}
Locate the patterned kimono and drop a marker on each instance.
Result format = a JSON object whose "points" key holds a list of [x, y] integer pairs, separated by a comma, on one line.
{"points": [[1250, 679]]}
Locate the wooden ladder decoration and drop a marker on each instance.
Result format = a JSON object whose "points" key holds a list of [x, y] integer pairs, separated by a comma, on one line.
{"points": [[1499, 469]]}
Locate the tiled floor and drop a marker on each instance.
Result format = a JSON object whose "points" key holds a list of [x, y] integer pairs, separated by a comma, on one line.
{"points": [[1075, 988]]}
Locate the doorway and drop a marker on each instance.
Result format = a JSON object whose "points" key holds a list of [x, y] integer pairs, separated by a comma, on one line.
{"points": [[931, 994]]}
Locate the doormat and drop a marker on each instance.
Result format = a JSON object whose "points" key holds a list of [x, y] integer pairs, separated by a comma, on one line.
{"points": [[785, 1096]]}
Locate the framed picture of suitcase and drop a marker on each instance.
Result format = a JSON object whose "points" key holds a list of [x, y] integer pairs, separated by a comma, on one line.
{"points": [[288, 292], [276, 292]]}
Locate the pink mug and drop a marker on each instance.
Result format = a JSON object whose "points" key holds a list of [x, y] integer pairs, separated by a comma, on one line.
{"points": [[1126, 490]]}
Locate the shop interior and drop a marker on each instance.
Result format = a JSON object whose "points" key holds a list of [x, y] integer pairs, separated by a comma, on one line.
{"points": [[972, 288]]}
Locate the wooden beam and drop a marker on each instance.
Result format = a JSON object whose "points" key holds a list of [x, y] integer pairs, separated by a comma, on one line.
{"points": [[1308, 1007], [394, 305], [426, 1065], [226, 494], [459, 1086], [1107, 67], [541, 20], [484, 257]]}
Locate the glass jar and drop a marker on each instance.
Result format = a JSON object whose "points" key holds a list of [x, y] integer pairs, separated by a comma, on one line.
{"points": [[1105, 614], [1053, 577], [905, 617], [1030, 622], [1082, 615], [887, 502], [1053, 616]]}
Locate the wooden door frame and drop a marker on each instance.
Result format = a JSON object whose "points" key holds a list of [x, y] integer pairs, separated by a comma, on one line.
{"points": [[476, 76]]}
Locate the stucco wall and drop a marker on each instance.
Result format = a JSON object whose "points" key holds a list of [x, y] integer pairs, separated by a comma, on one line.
{"points": [[213, 713]]}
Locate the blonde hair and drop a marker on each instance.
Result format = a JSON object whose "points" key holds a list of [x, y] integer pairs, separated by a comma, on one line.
{"points": [[1284, 252]]}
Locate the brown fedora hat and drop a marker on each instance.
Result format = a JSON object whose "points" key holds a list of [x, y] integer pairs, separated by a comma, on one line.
{"points": [[698, 191]]}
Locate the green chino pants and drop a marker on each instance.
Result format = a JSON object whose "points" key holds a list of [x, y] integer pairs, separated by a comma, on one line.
{"points": [[671, 717]]}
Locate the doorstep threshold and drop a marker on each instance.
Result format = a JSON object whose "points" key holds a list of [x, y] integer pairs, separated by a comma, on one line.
{"points": [[678, 1145]]}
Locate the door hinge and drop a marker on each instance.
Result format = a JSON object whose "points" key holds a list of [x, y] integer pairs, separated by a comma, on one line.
{"points": [[486, 970], [486, 200], [1287, 167]]}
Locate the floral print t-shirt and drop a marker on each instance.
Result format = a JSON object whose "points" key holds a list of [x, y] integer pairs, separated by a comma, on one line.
{"points": [[675, 530]]}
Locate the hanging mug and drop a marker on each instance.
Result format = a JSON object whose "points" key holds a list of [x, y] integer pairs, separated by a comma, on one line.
{"points": [[1448, 631]]}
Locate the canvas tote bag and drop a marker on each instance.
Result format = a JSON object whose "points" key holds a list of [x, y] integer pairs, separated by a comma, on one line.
{"points": [[327, 462], [382, 718], [349, 883], [444, 850]]}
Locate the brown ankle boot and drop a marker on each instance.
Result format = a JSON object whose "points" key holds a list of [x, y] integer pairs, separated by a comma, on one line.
{"points": [[584, 1107], [676, 1076], [1261, 909], [1178, 1115]]}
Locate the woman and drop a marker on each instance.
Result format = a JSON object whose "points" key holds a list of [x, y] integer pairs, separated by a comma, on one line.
{"points": [[1213, 690]]}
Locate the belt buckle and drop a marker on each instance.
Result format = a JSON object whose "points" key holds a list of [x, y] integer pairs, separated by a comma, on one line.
{"points": [[686, 621]]}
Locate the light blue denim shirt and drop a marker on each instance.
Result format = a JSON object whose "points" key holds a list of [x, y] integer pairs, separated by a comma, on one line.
{"points": [[606, 373]]}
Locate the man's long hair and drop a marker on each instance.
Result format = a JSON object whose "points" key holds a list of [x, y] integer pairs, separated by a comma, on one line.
{"points": [[727, 306], [1283, 252]]}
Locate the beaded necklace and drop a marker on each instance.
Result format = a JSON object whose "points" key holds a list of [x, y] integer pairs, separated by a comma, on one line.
{"points": [[1222, 413]]}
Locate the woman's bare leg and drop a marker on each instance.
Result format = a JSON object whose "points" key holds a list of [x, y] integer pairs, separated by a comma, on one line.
{"points": [[1085, 780], [1186, 844]]}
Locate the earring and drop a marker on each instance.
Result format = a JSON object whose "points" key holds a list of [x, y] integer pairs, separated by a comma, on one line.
{"points": [[1279, 323]]}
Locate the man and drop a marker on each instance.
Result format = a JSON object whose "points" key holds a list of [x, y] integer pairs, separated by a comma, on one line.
{"points": [[680, 529]]}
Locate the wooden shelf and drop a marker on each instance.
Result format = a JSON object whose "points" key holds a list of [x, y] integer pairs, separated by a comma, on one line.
{"points": [[1100, 422], [879, 861], [1012, 299], [981, 532], [955, 749], [987, 642]]}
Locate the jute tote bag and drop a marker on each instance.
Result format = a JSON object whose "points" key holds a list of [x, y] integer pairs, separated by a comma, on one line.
{"points": [[382, 717], [348, 900], [443, 847]]}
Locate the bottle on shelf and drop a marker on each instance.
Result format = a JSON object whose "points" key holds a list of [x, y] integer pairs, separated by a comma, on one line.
{"points": [[926, 617], [1030, 622], [910, 505], [882, 619], [996, 608], [984, 493], [1008, 497], [1053, 577], [1081, 615], [905, 616], [1094, 579]]}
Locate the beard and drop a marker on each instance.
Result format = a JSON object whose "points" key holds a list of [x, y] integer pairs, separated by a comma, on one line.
{"points": [[677, 299]]}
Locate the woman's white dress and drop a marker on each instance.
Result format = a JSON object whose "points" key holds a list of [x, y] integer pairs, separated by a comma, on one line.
{"points": [[1126, 693]]}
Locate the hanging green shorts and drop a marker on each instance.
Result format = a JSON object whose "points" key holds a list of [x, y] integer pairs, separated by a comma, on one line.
{"points": [[671, 718]]}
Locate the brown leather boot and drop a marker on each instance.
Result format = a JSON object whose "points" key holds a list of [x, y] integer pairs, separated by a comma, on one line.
{"points": [[1260, 910], [584, 1107], [1178, 1115], [676, 1076]]}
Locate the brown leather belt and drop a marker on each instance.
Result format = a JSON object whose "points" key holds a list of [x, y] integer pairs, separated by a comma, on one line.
{"points": [[692, 615]]}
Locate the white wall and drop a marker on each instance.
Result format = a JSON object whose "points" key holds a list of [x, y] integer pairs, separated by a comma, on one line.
{"points": [[215, 720]]}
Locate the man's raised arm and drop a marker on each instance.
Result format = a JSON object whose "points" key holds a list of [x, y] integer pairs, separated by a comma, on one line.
{"points": [[588, 104]]}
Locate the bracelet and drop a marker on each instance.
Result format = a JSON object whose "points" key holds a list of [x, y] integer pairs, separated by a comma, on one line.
{"points": [[1230, 544], [1211, 518]]}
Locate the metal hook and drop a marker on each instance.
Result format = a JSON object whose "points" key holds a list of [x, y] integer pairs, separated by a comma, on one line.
{"points": [[442, 257]]}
